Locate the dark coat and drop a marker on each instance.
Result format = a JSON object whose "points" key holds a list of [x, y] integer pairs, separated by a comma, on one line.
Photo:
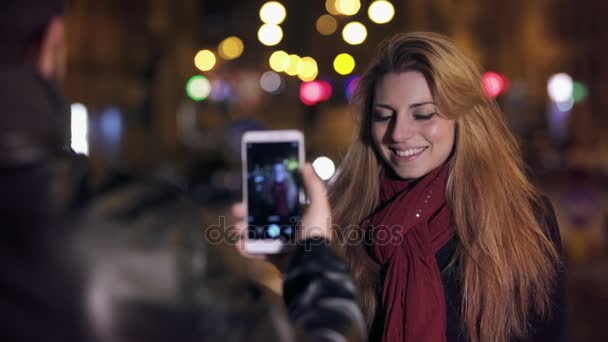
{"points": [[87, 258]]}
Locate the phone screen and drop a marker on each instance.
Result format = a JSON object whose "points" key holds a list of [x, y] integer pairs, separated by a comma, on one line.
{"points": [[273, 189]]}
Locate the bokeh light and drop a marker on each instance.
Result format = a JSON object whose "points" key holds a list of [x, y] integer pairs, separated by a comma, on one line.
{"points": [[560, 87], [326, 24], [354, 33], [579, 92], [348, 7], [311, 92], [198, 88], [344, 64], [324, 167], [350, 87], [381, 12], [330, 6], [271, 82], [494, 84], [231, 48], [220, 91], [295, 64], [279, 61], [308, 69], [79, 122], [327, 90], [565, 106], [273, 13], [270, 35], [204, 60]]}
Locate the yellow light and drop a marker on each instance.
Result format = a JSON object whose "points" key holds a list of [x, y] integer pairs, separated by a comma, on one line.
{"points": [[330, 6], [344, 64], [273, 13], [204, 60], [354, 33], [381, 12], [270, 35], [279, 61], [326, 24], [231, 48], [295, 63], [308, 69], [348, 7]]}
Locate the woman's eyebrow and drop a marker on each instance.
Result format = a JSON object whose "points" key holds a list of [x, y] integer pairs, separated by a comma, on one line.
{"points": [[412, 106], [382, 105], [415, 105]]}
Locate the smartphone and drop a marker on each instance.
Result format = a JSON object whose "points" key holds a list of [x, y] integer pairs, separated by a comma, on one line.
{"points": [[272, 189]]}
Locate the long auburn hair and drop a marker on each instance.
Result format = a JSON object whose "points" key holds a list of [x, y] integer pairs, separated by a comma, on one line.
{"points": [[506, 262]]}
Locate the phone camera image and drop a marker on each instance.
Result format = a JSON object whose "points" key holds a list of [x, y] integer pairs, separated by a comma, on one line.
{"points": [[273, 190]]}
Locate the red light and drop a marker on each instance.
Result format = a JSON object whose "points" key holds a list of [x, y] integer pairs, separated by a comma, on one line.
{"points": [[494, 84], [327, 90], [313, 92]]}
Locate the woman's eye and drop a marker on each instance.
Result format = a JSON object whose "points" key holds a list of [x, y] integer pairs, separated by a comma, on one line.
{"points": [[381, 117], [424, 116]]}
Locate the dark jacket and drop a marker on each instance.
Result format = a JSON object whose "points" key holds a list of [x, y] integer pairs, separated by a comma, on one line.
{"points": [[88, 258]]}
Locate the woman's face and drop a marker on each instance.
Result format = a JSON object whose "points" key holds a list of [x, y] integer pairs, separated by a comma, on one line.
{"points": [[407, 129]]}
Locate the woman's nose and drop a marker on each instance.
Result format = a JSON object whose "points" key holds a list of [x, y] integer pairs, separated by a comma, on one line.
{"points": [[402, 129]]}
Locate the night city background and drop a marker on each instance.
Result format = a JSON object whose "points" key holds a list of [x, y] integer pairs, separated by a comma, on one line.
{"points": [[165, 88]]}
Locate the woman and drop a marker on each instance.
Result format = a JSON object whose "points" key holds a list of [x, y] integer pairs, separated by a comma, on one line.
{"points": [[459, 245]]}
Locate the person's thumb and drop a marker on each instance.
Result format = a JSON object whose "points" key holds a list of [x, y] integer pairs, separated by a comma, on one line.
{"points": [[317, 217], [313, 186]]}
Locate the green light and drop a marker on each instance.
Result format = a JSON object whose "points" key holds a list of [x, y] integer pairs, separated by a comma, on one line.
{"points": [[579, 92], [198, 88], [292, 164]]}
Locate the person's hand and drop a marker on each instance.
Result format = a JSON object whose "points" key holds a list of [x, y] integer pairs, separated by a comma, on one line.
{"points": [[316, 221]]}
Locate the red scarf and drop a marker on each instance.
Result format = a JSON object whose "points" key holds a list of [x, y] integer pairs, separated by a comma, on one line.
{"points": [[412, 223]]}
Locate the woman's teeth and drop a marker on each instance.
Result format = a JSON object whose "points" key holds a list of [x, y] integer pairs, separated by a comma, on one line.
{"points": [[409, 152]]}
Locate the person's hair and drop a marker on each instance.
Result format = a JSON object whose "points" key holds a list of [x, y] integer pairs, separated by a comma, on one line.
{"points": [[22, 25], [506, 261]]}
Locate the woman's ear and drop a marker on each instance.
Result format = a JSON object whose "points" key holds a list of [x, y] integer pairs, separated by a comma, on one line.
{"points": [[51, 58]]}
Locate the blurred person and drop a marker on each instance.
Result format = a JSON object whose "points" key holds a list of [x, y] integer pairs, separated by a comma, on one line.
{"points": [[98, 257], [281, 191], [446, 237]]}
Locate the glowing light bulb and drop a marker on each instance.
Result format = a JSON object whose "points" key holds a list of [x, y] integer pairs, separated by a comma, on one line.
{"points": [[279, 61], [324, 167], [344, 64], [560, 87], [198, 88], [204, 60], [79, 123], [354, 33], [273, 13], [348, 7], [326, 25], [231, 48], [295, 63], [270, 35], [381, 12], [308, 69], [271, 82]]}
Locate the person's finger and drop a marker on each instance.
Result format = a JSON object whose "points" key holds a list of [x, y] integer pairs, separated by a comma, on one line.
{"points": [[316, 220], [313, 185], [238, 210], [239, 228]]}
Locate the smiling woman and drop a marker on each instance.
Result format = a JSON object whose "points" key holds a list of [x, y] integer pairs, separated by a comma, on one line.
{"points": [[407, 132], [444, 233]]}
